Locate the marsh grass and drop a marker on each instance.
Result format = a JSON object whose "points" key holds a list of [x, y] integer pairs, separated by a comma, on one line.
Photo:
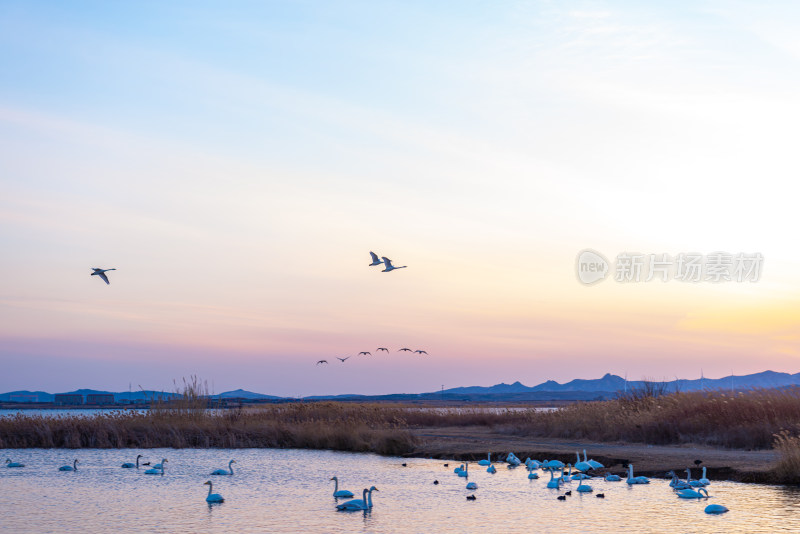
{"points": [[744, 420]]}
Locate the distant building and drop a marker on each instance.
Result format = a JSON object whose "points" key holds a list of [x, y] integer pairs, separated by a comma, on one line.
{"points": [[99, 398], [68, 398]]}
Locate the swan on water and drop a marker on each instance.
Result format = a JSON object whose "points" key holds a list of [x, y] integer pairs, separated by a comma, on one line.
{"points": [[703, 480], [676, 483], [580, 465], [595, 465], [692, 483], [365, 503], [158, 469], [465, 472], [554, 482], [487, 461], [340, 493], [635, 480], [512, 459], [693, 493], [9, 463], [584, 488], [458, 469], [129, 465], [612, 478], [472, 486], [212, 497], [715, 509], [533, 475], [96, 271], [491, 469], [73, 467], [223, 471]]}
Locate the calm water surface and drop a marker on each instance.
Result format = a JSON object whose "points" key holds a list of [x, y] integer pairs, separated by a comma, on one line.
{"points": [[288, 491]]}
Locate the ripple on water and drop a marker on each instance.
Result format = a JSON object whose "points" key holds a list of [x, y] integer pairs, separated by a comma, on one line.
{"points": [[289, 491]]}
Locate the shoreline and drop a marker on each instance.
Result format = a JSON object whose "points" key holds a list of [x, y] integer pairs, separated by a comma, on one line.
{"points": [[472, 444]]}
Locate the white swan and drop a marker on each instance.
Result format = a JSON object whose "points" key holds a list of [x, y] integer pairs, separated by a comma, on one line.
{"points": [[568, 476], [491, 469], [158, 469], [487, 461], [128, 465], [472, 486], [512, 459], [555, 464], [612, 478], [212, 497], [715, 509], [703, 480], [676, 483], [375, 260], [595, 465], [693, 493], [584, 488], [365, 503], [635, 480], [533, 475], [458, 469], [73, 467], [388, 264], [96, 271], [580, 465], [554, 482], [224, 472], [692, 483], [465, 472], [340, 493], [9, 463]]}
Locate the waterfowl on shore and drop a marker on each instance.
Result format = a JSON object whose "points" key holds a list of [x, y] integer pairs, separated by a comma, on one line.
{"points": [[365, 503], [344, 493], [212, 497], [158, 469], [9, 463], [73, 467], [129, 465]]}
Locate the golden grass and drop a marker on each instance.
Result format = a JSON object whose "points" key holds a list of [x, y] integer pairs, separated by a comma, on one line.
{"points": [[747, 420], [787, 468]]}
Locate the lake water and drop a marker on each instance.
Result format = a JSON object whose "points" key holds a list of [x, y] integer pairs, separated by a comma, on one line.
{"points": [[288, 491]]}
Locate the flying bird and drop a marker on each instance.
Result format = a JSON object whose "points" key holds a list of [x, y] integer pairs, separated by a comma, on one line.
{"points": [[322, 361], [365, 353], [420, 352], [101, 273], [383, 348], [375, 260], [389, 267], [401, 350], [343, 359]]}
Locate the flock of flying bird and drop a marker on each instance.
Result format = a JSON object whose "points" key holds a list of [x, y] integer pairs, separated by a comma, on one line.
{"points": [[379, 349], [388, 267]]}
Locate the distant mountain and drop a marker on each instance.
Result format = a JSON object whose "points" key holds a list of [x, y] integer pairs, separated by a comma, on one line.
{"points": [[612, 383], [26, 396], [244, 394], [579, 389]]}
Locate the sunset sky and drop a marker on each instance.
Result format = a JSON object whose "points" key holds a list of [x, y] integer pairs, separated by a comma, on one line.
{"points": [[236, 162]]}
